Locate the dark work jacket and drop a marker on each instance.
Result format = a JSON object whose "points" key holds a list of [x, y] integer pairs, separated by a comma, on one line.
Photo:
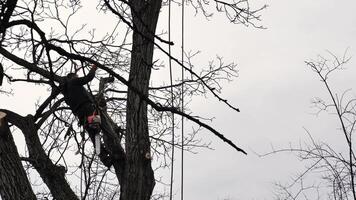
{"points": [[75, 95]]}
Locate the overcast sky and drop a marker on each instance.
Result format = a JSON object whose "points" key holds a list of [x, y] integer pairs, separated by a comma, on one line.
{"points": [[273, 91]]}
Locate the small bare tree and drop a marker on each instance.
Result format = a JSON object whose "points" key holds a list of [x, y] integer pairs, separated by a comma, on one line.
{"points": [[329, 173]]}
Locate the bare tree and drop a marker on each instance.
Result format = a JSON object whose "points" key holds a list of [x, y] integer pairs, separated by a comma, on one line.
{"points": [[39, 46], [334, 168]]}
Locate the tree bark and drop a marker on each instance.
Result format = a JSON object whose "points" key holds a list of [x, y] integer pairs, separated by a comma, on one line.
{"points": [[139, 177], [14, 184], [52, 175]]}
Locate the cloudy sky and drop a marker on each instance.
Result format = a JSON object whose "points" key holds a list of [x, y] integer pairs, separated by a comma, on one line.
{"points": [[273, 91]]}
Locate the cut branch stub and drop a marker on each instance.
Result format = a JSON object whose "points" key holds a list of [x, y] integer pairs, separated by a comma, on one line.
{"points": [[14, 183], [2, 118]]}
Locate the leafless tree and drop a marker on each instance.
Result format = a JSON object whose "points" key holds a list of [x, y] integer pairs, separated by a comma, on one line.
{"points": [[39, 45], [329, 172]]}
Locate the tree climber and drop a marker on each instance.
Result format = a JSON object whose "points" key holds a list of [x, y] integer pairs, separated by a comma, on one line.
{"points": [[81, 102]]}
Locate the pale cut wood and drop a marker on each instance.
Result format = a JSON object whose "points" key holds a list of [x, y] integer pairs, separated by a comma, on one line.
{"points": [[2, 117]]}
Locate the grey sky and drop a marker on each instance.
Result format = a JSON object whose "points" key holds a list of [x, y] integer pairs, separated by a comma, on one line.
{"points": [[273, 91]]}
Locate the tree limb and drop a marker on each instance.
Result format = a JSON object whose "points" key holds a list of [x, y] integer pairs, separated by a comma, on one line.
{"points": [[14, 183], [52, 175]]}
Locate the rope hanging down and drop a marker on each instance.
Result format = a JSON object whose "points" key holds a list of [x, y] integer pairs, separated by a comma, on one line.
{"points": [[172, 102], [172, 99], [182, 101]]}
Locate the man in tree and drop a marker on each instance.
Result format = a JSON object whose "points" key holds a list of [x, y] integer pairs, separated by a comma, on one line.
{"points": [[132, 166], [80, 101]]}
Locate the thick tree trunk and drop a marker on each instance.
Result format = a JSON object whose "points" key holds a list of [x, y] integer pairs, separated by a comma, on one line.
{"points": [[52, 175], [14, 184], [139, 177]]}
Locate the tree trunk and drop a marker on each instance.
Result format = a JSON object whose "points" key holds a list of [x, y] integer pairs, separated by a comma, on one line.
{"points": [[52, 175], [13, 180], [139, 177]]}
